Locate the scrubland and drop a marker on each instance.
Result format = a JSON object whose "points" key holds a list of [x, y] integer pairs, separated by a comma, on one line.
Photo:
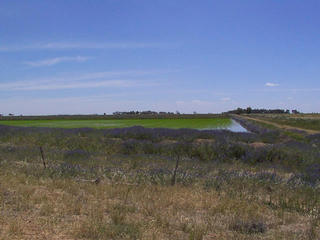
{"points": [[138, 183]]}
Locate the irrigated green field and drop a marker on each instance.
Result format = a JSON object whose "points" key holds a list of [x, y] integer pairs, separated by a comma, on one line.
{"points": [[121, 123]]}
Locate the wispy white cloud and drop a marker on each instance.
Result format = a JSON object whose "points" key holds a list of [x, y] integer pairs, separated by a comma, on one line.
{"points": [[36, 85], [131, 73], [106, 45], [54, 61], [201, 102], [269, 84], [75, 85], [83, 45], [122, 79], [291, 90], [58, 85]]}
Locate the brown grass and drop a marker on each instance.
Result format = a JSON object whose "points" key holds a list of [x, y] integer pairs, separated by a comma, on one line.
{"points": [[69, 209]]}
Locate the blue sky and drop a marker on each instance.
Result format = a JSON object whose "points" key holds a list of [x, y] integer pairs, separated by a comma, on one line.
{"points": [[76, 56]]}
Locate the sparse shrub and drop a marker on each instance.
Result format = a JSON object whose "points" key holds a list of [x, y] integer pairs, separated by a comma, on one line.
{"points": [[248, 226], [237, 151], [15, 228], [312, 231], [312, 174], [124, 231], [118, 215], [270, 136], [92, 229], [196, 233], [76, 155], [46, 209]]}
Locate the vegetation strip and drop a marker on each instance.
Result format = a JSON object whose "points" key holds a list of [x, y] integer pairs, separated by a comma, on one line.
{"points": [[197, 123]]}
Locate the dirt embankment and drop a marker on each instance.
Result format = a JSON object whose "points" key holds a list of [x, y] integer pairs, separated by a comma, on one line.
{"points": [[282, 126]]}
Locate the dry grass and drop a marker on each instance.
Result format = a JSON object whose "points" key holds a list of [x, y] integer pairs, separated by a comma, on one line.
{"points": [[68, 209], [223, 190]]}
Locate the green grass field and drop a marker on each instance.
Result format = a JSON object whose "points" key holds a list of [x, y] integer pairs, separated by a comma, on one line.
{"points": [[121, 123]]}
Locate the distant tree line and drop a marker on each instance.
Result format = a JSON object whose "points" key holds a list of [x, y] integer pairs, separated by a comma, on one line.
{"points": [[144, 113], [117, 115], [249, 110]]}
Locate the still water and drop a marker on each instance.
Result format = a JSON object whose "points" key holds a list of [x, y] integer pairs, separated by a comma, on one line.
{"points": [[233, 127]]}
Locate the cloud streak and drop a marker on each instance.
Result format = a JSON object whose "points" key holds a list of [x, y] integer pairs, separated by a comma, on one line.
{"points": [[54, 61], [291, 90], [269, 84], [119, 79], [83, 45], [36, 85]]}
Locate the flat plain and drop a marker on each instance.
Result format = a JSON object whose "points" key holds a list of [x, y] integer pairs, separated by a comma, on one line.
{"points": [[152, 183], [196, 123]]}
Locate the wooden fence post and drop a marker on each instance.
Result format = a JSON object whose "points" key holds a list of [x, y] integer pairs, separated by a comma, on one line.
{"points": [[42, 156], [173, 179]]}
